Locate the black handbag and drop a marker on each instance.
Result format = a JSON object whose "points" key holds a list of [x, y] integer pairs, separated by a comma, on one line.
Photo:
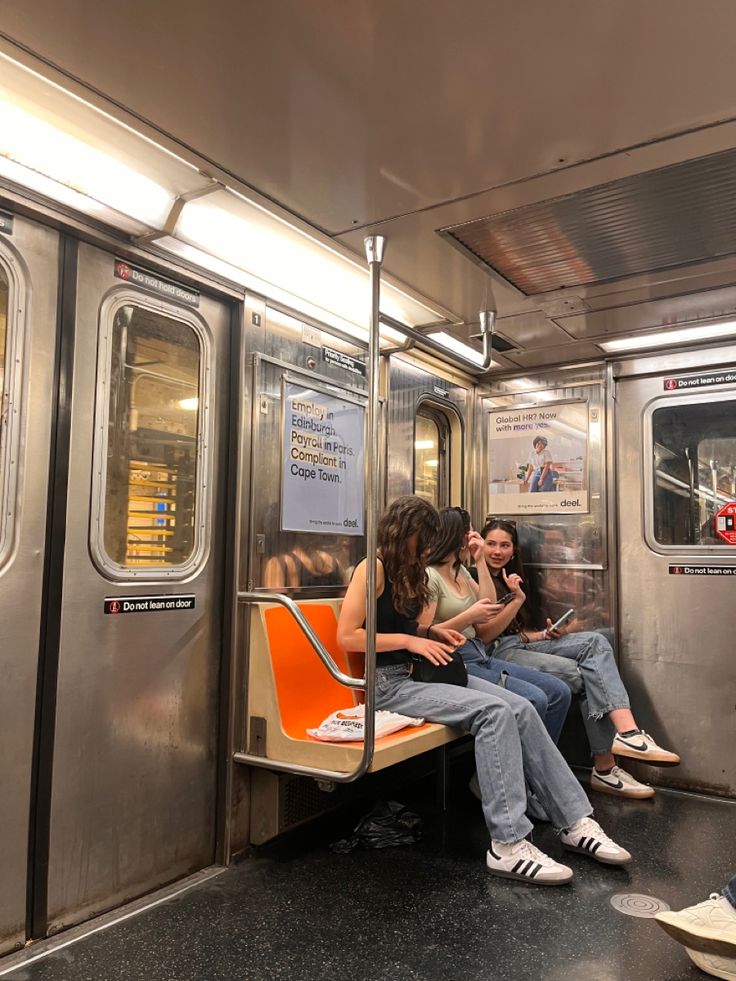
{"points": [[452, 673]]}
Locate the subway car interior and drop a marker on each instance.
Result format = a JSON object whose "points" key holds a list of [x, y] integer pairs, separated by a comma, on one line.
{"points": [[267, 269]]}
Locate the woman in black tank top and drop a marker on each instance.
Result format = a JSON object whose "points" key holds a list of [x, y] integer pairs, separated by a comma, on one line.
{"points": [[512, 747]]}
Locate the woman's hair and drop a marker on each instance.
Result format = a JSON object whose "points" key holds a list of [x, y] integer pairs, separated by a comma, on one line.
{"points": [[514, 564], [404, 517], [451, 538], [539, 439]]}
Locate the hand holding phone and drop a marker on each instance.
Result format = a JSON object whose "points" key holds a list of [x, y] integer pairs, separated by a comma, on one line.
{"points": [[551, 628], [506, 598]]}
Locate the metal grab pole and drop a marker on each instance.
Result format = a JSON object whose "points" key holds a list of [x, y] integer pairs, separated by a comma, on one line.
{"points": [[374, 250]]}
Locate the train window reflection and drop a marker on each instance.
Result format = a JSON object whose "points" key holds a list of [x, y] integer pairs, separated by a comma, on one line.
{"points": [[694, 470], [153, 427], [427, 449]]}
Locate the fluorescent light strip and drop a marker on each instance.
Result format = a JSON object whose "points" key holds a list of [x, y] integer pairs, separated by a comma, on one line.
{"points": [[47, 150], [665, 337], [453, 344], [235, 274]]}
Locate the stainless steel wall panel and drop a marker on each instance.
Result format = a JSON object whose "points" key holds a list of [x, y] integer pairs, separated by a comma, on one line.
{"points": [[33, 252], [676, 631], [561, 576], [133, 801]]}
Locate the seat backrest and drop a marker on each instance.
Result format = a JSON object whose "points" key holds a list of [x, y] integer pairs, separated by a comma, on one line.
{"points": [[305, 690]]}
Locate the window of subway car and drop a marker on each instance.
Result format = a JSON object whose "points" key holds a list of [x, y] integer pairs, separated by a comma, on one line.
{"points": [[153, 422], [694, 470]]}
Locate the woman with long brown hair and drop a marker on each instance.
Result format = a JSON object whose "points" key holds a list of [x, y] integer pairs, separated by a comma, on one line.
{"points": [[459, 602], [512, 747], [583, 660]]}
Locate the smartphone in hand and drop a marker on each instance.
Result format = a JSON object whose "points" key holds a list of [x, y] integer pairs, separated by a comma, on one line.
{"points": [[563, 620], [506, 598]]}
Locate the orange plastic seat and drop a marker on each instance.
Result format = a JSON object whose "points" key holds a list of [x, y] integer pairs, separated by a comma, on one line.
{"points": [[306, 692]]}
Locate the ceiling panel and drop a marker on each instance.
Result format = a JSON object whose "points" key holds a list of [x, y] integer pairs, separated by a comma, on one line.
{"points": [[348, 112], [671, 216], [533, 329], [712, 304], [543, 356]]}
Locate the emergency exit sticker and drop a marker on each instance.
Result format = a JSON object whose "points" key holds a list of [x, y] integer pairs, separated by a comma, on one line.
{"points": [[726, 523], [148, 604]]}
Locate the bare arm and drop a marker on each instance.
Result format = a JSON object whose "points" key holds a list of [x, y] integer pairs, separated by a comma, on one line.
{"points": [[279, 572], [495, 627], [351, 634]]}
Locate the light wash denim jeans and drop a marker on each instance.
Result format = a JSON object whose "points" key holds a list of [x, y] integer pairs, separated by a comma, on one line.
{"points": [[550, 696], [512, 748], [595, 676]]}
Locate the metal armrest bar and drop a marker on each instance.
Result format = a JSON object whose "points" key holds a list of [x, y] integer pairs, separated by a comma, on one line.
{"points": [[338, 776], [322, 652]]}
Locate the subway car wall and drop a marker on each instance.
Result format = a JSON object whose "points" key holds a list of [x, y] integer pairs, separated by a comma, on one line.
{"points": [[167, 419]]}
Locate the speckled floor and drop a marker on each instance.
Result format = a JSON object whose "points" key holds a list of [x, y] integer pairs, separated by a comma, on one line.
{"points": [[296, 911]]}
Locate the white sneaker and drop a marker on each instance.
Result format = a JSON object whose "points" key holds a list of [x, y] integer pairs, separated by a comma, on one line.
{"points": [[523, 860], [719, 967], [619, 783], [709, 927], [589, 838], [641, 746]]}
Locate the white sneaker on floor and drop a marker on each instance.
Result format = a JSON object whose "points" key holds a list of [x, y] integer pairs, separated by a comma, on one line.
{"points": [[588, 837], [524, 861], [619, 783], [709, 927], [641, 746], [719, 967]]}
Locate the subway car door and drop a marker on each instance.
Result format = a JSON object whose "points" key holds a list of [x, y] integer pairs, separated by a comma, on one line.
{"points": [[133, 794], [676, 476], [29, 263]]}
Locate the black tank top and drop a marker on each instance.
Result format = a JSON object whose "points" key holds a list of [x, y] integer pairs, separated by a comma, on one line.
{"points": [[390, 621], [307, 577]]}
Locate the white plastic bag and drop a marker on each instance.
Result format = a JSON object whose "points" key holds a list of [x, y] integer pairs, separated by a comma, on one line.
{"points": [[346, 725]]}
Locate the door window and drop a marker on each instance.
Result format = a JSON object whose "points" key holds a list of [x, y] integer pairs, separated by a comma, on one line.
{"points": [[153, 479], [694, 461], [431, 473]]}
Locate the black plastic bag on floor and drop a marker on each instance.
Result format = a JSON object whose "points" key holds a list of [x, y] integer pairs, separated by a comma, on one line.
{"points": [[386, 825]]}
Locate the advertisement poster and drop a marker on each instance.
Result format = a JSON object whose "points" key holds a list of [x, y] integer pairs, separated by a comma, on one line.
{"points": [[322, 467], [538, 459]]}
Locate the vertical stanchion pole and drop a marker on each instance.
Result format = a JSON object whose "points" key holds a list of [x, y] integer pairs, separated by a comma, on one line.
{"points": [[374, 249]]}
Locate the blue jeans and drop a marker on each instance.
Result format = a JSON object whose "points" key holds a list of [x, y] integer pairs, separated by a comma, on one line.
{"points": [[548, 484], [512, 748], [730, 891], [549, 695], [594, 675]]}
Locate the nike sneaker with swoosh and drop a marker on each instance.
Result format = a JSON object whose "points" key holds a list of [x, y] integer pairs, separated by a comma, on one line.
{"points": [[641, 746], [619, 783]]}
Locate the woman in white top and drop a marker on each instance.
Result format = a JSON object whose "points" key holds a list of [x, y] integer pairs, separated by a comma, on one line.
{"points": [[457, 602], [539, 467]]}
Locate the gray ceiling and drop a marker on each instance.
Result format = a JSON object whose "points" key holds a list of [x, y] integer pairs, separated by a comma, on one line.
{"points": [[408, 116]]}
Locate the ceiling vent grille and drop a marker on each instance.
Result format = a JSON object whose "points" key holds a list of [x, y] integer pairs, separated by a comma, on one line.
{"points": [[676, 215]]}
